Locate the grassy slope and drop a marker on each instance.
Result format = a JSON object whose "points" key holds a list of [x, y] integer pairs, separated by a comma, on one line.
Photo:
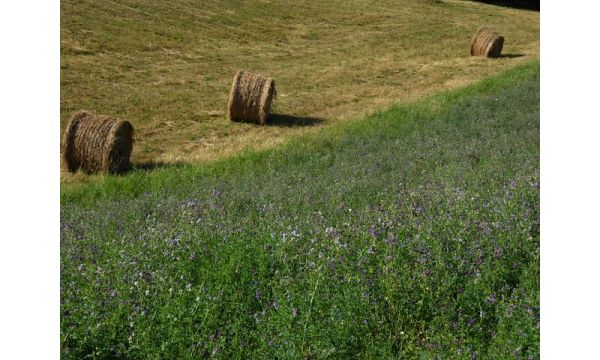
{"points": [[414, 232], [166, 65]]}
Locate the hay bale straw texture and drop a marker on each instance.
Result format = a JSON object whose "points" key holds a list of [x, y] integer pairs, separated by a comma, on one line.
{"points": [[250, 97], [487, 43], [95, 143]]}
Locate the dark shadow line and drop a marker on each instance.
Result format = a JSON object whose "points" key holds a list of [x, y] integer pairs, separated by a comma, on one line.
{"points": [[153, 165], [290, 120], [516, 4], [511, 56]]}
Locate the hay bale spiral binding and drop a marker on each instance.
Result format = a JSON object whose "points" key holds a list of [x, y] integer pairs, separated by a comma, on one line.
{"points": [[95, 143], [250, 97], [487, 43]]}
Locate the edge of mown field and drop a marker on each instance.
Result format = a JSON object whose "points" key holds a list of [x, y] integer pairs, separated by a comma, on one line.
{"points": [[295, 151]]}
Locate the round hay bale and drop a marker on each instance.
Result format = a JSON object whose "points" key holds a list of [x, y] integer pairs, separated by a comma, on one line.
{"points": [[250, 97], [95, 143], [487, 43]]}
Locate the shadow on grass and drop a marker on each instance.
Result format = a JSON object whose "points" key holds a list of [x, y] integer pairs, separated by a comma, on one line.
{"points": [[517, 4], [511, 56], [290, 120], [154, 165]]}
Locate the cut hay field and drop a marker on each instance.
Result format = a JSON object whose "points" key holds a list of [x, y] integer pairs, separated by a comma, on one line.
{"points": [[167, 66], [411, 234]]}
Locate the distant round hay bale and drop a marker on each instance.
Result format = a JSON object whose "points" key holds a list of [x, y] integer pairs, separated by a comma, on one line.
{"points": [[487, 43], [250, 97], [95, 143]]}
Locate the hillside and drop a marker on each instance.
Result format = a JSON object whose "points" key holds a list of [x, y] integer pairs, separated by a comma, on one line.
{"points": [[167, 66], [413, 233]]}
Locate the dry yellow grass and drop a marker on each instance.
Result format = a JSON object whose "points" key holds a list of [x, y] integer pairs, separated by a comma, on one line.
{"points": [[167, 66]]}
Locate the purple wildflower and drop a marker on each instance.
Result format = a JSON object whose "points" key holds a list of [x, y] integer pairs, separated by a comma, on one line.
{"points": [[173, 241]]}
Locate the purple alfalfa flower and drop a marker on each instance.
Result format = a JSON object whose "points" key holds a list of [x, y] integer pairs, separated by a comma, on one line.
{"points": [[191, 203], [484, 227], [533, 311], [491, 299], [372, 231], [257, 294], [173, 241], [391, 240], [497, 251], [333, 232]]}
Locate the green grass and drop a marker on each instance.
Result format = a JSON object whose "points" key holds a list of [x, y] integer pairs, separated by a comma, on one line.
{"points": [[166, 66], [413, 233]]}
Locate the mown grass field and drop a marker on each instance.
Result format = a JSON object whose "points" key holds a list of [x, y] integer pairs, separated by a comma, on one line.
{"points": [[167, 66], [413, 233]]}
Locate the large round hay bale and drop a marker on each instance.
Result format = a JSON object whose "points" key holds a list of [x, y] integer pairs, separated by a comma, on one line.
{"points": [[250, 97], [487, 43], [95, 143]]}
